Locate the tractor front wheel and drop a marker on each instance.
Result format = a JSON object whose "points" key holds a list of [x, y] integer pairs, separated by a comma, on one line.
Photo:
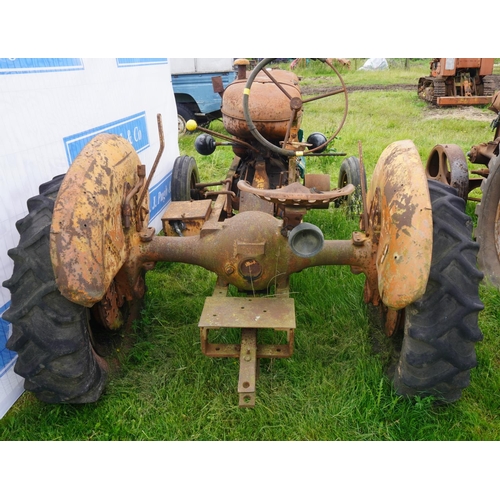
{"points": [[51, 335], [441, 328], [350, 173], [185, 176]]}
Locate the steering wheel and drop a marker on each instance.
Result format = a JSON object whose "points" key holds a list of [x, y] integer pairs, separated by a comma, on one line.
{"points": [[296, 104]]}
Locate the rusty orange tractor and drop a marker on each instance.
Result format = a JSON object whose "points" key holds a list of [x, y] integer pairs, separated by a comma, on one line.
{"points": [[85, 247], [459, 81]]}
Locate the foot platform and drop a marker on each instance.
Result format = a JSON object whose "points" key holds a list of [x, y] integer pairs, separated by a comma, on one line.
{"points": [[249, 314]]}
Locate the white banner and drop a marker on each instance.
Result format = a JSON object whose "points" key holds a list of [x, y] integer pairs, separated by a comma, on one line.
{"points": [[49, 110]]}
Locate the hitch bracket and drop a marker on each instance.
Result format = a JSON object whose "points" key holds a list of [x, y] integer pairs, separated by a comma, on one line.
{"points": [[249, 314]]}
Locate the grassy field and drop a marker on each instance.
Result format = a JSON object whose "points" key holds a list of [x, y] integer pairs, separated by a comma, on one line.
{"points": [[334, 388]]}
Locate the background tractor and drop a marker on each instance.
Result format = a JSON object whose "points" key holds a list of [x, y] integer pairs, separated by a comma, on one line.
{"points": [[85, 247], [459, 81]]}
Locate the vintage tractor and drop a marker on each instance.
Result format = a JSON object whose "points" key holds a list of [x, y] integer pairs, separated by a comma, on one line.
{"points": [[85, 247], [448, 164], [463, 81]]}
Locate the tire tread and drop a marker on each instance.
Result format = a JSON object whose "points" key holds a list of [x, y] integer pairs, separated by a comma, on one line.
{"points": [[50, 334], [441, 328]]}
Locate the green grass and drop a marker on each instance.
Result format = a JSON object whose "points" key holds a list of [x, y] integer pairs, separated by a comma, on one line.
{"points": [[316, 72], [334, 387]]}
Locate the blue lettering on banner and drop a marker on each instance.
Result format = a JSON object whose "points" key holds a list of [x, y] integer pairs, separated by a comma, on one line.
{"points": [[138, 61], [6, 357], [159, 196], [133, 128], [13, 65]]}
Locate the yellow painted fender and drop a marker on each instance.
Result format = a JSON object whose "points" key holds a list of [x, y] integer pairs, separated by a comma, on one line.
{"points": [[400, 223], [88, 241]]}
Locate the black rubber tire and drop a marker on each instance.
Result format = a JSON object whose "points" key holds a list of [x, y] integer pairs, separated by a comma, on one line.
{"points": [[487, 232], [350, 173], [185, 176], [51, 335], [184, 114], [441, 328]]}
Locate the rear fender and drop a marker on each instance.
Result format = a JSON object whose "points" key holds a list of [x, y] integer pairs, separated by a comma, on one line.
{"points": [[400, 224], [88, 242]]}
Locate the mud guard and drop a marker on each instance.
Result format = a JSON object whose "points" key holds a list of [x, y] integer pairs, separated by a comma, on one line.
{"points": [[88, 241], [400, 223]]}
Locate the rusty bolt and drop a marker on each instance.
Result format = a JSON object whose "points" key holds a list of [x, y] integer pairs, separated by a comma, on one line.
{"points": [[296, 103], [358, 239]]}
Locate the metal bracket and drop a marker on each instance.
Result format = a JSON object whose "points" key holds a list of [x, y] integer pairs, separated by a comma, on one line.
{"points": [[248, 367], [249, 314]]}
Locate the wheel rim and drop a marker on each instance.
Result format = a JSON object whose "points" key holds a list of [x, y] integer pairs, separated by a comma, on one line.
{"points": [[447, 164], [343, 180], [488, 224]]}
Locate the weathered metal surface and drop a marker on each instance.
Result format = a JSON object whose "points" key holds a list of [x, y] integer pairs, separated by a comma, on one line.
{"points": [[400, 216], [218, 85], [297, 194], [89, 244], [447, 164], [393, 321], [463, 100], [143, 202], [192, 213], [268, 103], [248, 368], [248, 312], [487, 231], [449, 66], [222, 246], [290, 145], [259, 313], [484, 152], [318, 182], [260, 177], [108, 310], [241, 65], [249, 202]]}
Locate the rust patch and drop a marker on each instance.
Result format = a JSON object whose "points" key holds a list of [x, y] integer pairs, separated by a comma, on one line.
{"points": [[447, 164], [401, 224], [88, 242]]}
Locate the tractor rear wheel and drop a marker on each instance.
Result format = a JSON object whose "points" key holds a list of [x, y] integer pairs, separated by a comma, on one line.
{"points": [[51, 335], [488, 227], [441, 328]]}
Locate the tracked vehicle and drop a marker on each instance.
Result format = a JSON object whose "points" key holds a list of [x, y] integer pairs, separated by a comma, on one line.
{"points": [[459, 81], [85, 247]]}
